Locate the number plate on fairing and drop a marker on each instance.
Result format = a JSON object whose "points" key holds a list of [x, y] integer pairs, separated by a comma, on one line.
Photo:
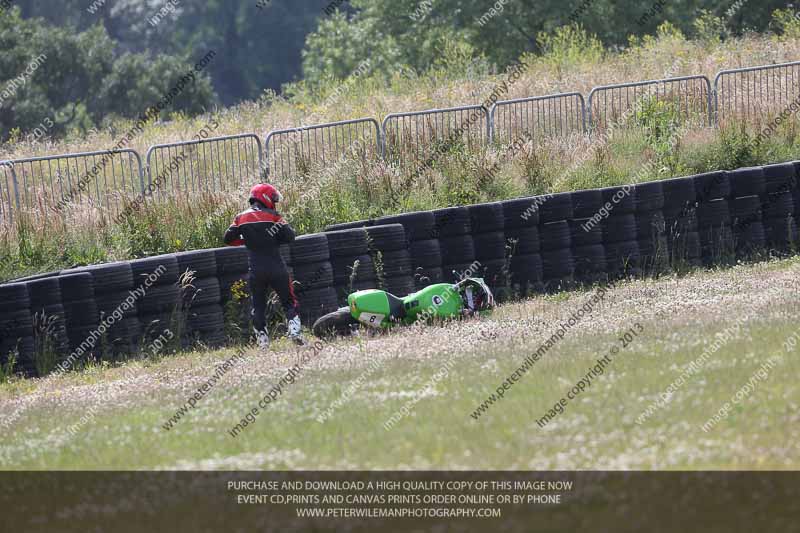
{"points": [[371, 319]]}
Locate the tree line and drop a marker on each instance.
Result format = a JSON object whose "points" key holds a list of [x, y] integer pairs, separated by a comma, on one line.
{"points": [[105, 59]]}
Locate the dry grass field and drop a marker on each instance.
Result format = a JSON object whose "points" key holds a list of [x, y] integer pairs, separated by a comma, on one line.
{"points": [[711, 338], [578, 64]]}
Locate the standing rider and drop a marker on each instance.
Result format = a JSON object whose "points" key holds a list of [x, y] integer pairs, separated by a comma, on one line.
{"points": [[262, 230]]}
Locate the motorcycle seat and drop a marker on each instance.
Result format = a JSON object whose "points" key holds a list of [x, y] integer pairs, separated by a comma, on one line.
{"points": [[396, 308]]}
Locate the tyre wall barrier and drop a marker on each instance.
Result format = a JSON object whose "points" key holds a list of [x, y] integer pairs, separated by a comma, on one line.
{"points": [[313, 276], [82, 317], [521, 223], [555, 236], [488, 240], [200, 299], [520, 246], [48, 316], [391, 258], [453, 229], [651, 236], [680, 221], [16, 325], [586, 235], [422, 244], [350, 260]]}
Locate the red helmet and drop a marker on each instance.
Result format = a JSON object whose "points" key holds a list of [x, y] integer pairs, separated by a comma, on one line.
{"points": [[266, 194]]}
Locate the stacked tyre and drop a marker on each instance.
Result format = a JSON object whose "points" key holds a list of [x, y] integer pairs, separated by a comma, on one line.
{"points": [[353, 266], [796, 191], [454, 230], [159, 297], [233, 264], [555, 235], [747, 188], [778, 206], [16, 328], [489, 241], [620, 232], [680, 221], [586, 234], [49, 322], [81, 314], [747, 226], [388, 249], [521, 223], [117, 308], [35, 277], [651, 226], [714, 217], [423, 244], [201, 298], [349, 225], [313, 276]]}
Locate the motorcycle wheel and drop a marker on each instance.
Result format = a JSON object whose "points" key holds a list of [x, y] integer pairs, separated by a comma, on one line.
{"points": [[336, 323]]}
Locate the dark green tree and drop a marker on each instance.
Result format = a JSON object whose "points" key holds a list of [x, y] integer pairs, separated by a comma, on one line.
{"points": [[412, 31], [74, 80], [259, 47]]}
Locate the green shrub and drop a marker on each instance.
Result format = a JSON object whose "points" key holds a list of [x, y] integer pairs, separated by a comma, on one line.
{"points": [[787, 23]]}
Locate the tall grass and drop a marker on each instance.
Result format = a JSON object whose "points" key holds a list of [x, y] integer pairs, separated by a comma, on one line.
{"points": [[362, 190], [368, 187], [570, 61]]}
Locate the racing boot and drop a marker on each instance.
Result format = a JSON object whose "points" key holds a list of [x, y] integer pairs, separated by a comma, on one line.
{"points": [[293, 327], [262, 338]]}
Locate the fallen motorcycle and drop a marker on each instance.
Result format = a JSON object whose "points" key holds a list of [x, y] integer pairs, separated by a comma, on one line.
{"points": [[381, 310]]}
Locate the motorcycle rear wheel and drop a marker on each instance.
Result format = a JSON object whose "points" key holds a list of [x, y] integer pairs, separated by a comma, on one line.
{"points": [[337, 323]]}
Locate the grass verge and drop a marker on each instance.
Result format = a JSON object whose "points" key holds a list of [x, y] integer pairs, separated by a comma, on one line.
{"points": [[120, 421], [649, 147]]}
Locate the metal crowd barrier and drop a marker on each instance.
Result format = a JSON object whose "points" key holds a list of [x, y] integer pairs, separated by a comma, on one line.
{"points": [[9, 196], [611, 105], [295, 151], [212, 165], [539, 116], [422, 133], [755, 91], [100, 179]]}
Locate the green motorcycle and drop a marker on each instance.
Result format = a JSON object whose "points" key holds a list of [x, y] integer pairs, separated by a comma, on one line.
{"points": [[381, 310]]}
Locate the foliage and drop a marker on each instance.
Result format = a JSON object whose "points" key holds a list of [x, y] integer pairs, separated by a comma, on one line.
{"points": [[409, 32], [8, 368], [660, 121], [787, 22], [710, 28], [339, 45], [71, 81], [137, 81], [113, 59], [237, 313], [735, 148], [365, 186], [258, 47], [164, 227], [654, 147], [569, 45]]}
